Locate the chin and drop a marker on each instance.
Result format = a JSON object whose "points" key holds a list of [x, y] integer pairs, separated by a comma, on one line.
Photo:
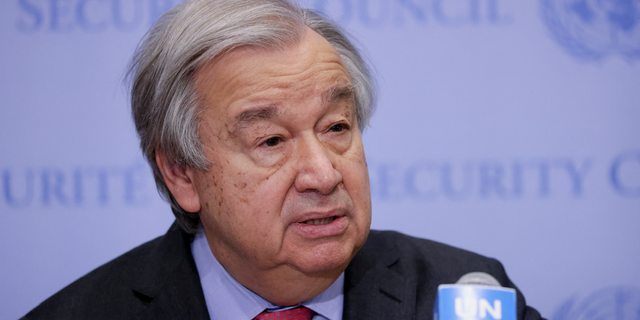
{"points": [[326, 260]]}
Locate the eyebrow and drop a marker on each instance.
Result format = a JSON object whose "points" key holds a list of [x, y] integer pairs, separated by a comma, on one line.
{"points": [[339, 93], [248, 116], [335, 94]]}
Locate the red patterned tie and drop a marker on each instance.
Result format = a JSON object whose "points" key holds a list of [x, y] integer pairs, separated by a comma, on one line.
{"points": [[299, 313]]}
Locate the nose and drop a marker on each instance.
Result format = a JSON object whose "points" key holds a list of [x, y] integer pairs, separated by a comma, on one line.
{"points": [[316, 170]]}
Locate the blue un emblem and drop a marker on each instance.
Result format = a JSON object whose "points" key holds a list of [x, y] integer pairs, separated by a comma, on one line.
{"points": [[612, 303], [593, 29]]}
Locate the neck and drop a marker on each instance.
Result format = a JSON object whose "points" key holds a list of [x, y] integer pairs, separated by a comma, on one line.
{"points": [[281, 285], [290, 291]]}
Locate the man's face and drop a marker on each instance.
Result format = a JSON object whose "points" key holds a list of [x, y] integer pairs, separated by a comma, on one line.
{"points": [[288, 187]]}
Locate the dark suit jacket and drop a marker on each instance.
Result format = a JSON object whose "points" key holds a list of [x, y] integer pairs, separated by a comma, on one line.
{"points": [[393, 276]]}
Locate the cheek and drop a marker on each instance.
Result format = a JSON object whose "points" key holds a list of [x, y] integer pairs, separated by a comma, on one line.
{"points": [[229, 209], [252, 211], [356, 177], [210, 191], [255, 195], [219, 190], [241, 195], [355, 158]]}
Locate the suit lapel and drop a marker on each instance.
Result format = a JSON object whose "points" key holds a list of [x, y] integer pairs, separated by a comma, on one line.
{"points": [[375, 287], [169, 287]]}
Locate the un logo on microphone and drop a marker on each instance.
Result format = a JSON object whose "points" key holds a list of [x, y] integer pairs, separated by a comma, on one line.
{"points": [[594, 29], [614, 303]]}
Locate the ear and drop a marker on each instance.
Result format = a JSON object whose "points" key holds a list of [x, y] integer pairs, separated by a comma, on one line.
{"points": [[180, 182]]}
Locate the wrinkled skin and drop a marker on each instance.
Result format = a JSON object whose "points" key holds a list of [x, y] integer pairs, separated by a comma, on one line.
{"points": [[281, 133]]}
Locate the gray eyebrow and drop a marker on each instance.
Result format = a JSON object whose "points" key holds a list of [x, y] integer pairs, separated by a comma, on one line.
{"points": [[248, 116], [338, 93]]}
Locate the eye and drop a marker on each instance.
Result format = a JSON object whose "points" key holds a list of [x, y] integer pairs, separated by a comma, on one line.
{"points": [[272, 142], [338, 127]]}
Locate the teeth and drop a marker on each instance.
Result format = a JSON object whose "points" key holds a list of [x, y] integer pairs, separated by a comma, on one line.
{"points": [[319, 221]]}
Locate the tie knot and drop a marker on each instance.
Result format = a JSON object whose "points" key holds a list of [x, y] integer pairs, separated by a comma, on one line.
{"points": [[299, 313]]}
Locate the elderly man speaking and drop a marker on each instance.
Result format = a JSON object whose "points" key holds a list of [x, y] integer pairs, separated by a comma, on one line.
{"points": [[250, 114]]}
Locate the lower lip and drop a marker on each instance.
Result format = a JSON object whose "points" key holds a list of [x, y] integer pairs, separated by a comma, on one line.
{"points": [[333, 228]]}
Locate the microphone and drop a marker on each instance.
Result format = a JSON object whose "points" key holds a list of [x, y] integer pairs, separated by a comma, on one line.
{"points": [[476, 296]]}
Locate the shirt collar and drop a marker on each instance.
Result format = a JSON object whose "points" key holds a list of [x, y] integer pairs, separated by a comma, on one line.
{"points": [[226, 298]]}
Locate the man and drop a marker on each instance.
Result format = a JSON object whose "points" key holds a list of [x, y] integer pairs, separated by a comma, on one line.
{"points": [[250, 114]]}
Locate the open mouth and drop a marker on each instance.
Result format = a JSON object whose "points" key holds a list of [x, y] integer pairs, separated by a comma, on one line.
{"points": [[321, 221]]}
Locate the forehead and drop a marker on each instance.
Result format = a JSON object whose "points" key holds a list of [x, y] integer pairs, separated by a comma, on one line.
{"points": [[249, 77]]}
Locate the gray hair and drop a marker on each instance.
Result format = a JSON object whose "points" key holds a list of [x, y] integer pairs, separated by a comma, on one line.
{"points": [[165, 107]]}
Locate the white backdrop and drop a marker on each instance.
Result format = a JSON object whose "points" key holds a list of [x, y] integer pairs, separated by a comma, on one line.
{"points": [[510, 128]]}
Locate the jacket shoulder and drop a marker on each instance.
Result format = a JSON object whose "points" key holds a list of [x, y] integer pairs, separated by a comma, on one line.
{"points": [[160, 270], [102, 292], [426, 264], [437, 260]]}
